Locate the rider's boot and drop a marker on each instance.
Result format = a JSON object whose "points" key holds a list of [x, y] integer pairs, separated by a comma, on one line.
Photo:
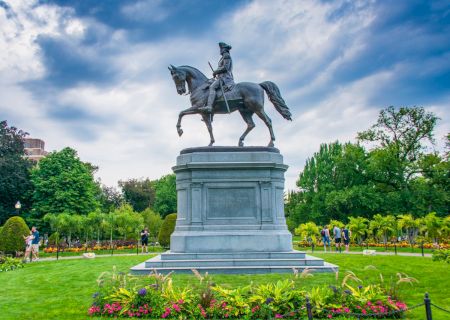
{"points": [[208, 107]]}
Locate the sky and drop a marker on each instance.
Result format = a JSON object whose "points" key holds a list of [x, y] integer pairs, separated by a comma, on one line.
{"points": [[92, 75]]}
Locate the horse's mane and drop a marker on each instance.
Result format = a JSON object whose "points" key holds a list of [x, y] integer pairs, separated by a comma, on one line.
{"points": [[195, 70]]}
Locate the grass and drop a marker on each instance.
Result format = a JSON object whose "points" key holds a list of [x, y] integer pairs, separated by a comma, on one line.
{"points": [[63, 289]]}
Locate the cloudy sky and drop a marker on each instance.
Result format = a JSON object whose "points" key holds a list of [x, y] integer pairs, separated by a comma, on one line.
{"points": [[93, 75]]}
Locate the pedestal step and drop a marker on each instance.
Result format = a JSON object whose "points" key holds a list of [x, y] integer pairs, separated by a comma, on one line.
{"points": [[234, 263]]}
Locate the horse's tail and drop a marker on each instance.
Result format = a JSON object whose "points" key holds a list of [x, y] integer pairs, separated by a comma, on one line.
{"points": [[275, 97]]}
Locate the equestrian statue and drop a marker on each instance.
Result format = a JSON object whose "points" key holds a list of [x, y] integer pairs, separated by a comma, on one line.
{"points": [[221, 95]]}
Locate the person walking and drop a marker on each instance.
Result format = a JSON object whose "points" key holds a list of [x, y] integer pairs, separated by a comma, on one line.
{"points": [[337, 237], [346, 233], [325, 238], [28, 246], [35, 244], [144, 240]]}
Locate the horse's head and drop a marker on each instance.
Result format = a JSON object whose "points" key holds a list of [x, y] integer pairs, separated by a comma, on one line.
{"points": [[179, 77]]}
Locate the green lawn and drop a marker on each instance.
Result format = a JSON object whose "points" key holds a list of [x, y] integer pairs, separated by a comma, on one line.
{"points": [[63, 289]]}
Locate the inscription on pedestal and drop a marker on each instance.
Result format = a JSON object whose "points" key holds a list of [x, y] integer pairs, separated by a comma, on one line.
{"points": [[232, 203]]}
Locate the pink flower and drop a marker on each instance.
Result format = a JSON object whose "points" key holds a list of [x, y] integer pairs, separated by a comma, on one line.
{"points": [[347, 310], [364, 311], [278, 316], [181, 301], [176, 307], [330, 316]]}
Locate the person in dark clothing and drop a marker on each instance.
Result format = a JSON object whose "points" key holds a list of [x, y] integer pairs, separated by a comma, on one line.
{"points": [[35, 243], [144, 240], [346, 235]]}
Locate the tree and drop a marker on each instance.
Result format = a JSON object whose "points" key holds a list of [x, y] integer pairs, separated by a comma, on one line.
{"points": [[359, 228], [110, 198], [15, 184], [165, 195], [399, 138], [152, 221], [407, 223], [431, 226], [128, 222], [63, 184], [12, 235], [167, 229], [383, 226], [139, 193]]}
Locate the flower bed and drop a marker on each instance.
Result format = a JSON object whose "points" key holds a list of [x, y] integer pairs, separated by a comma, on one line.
{"points": [[9, 264], [402, 244], [120, 295]]}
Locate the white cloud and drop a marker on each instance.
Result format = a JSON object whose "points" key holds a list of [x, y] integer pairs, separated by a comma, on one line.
{"points": [[134, 116]]}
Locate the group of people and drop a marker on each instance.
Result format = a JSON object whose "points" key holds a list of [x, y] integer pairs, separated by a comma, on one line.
{"points": [[339, 235], [32, 245]]}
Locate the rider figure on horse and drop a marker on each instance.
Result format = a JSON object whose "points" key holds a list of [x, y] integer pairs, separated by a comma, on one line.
{"points": [[224, 74]]}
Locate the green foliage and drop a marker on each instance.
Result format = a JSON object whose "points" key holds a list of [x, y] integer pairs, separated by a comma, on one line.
{"points": [[441, 255], [152, 221], [15, 184], [383, 226], [128, 222], [359, 227], [110, 198], [63, 184], [139, 193], [12, 235], [308, 231], [395, 175], [9, 264], [165, 195], [167, 229], [54, 239], [124, 296]]}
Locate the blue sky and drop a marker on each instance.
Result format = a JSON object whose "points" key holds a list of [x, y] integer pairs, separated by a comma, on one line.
{"points": [[93, 74]]}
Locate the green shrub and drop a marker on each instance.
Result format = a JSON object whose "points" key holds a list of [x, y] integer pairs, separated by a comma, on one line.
{"points": [[441, 255], [53, 239], [9, 264], [166, 230], [11, 236]]}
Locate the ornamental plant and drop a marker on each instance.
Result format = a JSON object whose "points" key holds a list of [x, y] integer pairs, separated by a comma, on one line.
{"points": [[121, 295], [11, 236]]}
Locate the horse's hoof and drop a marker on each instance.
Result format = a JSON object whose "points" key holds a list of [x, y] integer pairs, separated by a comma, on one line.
{"points": [[240, 144], [270, 144], [180, 132]]}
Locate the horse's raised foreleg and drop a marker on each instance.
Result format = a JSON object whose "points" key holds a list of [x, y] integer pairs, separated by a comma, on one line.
{"points": [[191, 110], [265, 118], [247, 116], [207, 118]]}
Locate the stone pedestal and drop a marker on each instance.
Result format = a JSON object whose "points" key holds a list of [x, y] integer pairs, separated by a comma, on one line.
{"points": [[231, 215]]}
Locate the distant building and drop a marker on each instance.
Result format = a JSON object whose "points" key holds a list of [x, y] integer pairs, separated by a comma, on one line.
{"points": [[34, 149]]}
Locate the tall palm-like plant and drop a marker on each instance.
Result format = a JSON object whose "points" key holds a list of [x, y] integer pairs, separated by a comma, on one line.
{"points": [[308, 231], [431, 226], [359, 227], [407, 223], [97, 220], [383, 226]]}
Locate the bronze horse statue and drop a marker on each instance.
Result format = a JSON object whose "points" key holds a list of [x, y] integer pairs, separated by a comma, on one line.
{"points": [[245, 97]]}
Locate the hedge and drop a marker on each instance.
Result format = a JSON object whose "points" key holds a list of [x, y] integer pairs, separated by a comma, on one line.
{"points": [[11, 235], [166, 230]]}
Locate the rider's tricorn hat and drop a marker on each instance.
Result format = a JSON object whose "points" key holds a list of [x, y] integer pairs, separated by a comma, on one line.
{"points": [[223, 45]]}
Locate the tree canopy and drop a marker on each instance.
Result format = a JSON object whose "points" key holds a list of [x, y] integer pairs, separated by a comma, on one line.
{"points": [[387, 171], [15, 184], [63, 184]]}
